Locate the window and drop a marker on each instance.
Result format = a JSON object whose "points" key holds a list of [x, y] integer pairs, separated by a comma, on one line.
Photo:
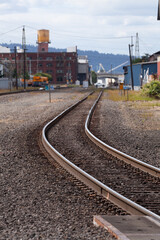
{"points": [[60, 79], [49, 58], [49, 64], [59, 64], [59, 71], [40, 64], [59, 58], [49, 71]]}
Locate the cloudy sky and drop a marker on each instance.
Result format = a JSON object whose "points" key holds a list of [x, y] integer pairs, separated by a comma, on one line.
{"points": [[102, 25]]}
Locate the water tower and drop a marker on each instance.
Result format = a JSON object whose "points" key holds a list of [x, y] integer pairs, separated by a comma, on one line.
{"points": [[43, 40]]}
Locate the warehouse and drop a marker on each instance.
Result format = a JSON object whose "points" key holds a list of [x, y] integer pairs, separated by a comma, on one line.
{"points": [[143, 72], [62, 66]]}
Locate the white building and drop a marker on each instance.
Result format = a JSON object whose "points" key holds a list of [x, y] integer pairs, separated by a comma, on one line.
{"points": [[4, 49], [1, 70], [72, 49]]}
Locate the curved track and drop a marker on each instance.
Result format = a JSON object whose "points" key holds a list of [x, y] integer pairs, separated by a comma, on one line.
{"points": [[154, 171], [93, 183]]}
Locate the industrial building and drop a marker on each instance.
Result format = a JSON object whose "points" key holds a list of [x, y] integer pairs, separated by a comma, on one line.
{"points": [[83, 69], [143, 72], [62, 66]]}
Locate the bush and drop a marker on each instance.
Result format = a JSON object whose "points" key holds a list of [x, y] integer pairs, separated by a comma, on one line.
{"points": [[152, 89]]}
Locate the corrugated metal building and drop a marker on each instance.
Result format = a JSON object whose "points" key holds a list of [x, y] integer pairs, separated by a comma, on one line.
{"points": [[142, 73]]}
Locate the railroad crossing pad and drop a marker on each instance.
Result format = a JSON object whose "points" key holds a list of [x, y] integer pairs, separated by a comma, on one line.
{"points": [[130, 227]]}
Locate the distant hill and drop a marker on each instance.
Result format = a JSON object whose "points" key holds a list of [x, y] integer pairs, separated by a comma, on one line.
{"points": [[94, 57], [105, 59]]}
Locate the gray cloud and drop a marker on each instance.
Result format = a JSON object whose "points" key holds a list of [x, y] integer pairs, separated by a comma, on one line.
{"points": [[83, 18]]}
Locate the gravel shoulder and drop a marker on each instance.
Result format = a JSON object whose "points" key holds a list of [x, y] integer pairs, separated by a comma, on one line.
{"points": [[37, 200], [32, 204], [131, 127]]}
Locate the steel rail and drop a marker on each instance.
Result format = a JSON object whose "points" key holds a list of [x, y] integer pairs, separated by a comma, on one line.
{"points": [[90, 181], [154, 171]]}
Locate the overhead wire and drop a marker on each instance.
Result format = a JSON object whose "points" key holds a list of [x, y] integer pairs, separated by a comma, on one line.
{"points": [[148, 48], [67, 33], [71, 34], [10, 31]]}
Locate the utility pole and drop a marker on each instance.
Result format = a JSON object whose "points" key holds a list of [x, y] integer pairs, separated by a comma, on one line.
{"points": [[15, 54], [24, 55], [132, 46], [132, 81], [158, 18], [24, 68], [111, 74]]}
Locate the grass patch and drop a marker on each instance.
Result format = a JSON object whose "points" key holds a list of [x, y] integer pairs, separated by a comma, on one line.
{"points": [[92, 97], [117, 95]]}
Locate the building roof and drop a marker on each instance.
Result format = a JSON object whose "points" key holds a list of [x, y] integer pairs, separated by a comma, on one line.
{"points": [[142, 63], [156, 53], [4, 49]]}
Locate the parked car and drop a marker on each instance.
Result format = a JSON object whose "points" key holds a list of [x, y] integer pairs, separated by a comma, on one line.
{"points": [[99, 85]]}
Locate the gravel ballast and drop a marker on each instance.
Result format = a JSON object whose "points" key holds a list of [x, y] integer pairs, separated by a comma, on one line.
{"points": [[37, 200], [131, 127], [117, 175]]}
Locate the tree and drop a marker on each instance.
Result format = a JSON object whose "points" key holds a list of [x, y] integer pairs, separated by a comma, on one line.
{"points": [[44, 75], [137, 60], [94, 76], [145, 58]]}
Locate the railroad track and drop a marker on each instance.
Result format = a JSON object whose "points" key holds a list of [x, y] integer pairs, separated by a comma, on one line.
{"points": [[98, 186], [154, 171]]}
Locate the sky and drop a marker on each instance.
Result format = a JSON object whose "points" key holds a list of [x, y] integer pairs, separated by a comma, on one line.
{"points": [[106, 26]]}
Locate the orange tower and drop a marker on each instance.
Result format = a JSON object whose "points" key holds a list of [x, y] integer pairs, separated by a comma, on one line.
{"points": [[43, 40]]}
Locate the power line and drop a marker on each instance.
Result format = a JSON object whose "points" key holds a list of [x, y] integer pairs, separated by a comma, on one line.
{"points": [[149, 48], [92, 37], [10, 31], [31, 27], [67, 33]]}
